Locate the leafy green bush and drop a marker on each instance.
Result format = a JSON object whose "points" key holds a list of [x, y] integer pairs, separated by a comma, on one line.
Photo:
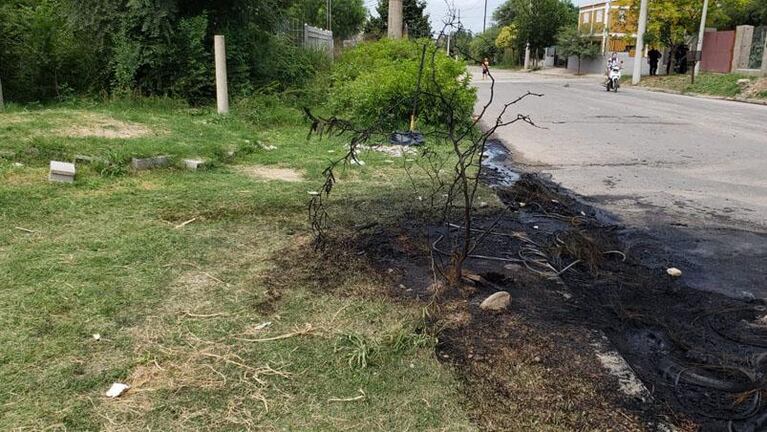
{"points": [[376, 82]]}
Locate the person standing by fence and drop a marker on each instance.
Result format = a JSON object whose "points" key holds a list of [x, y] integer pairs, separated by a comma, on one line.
{"points": [[485, 68], [654, 57]]}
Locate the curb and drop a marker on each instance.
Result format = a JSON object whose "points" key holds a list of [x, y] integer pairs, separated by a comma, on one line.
{"points": [[701, 96]]}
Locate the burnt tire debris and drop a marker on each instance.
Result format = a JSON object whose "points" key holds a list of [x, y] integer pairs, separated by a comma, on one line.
{"points": [[704, 354]]}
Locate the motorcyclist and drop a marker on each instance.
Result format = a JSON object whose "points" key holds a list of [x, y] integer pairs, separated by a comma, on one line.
{"points": [[611, 63]]}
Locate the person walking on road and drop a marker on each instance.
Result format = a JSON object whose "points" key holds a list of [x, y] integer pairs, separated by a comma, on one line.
{"points": [[654, 56], [485, 68]]}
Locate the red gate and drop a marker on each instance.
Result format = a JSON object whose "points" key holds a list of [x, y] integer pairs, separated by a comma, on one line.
{"points": [[717, 51]]}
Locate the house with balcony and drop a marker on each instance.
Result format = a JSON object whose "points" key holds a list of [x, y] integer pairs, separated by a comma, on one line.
{"points": [[611, 23]]}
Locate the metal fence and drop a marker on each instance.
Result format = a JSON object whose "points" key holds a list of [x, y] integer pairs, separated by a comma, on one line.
{"points": [[307, 36]]}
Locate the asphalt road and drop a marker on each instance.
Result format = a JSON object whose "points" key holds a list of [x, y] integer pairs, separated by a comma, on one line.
{"points": [[690, 171]]}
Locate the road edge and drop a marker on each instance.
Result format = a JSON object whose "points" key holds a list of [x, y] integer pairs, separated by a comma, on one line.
{"points": [[700, 95]]}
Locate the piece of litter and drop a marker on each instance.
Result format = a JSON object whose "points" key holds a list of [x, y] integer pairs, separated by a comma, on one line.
{"points": [[358, 162], [117, 390], [583, 213], [674, 272], [331, 151], [263, 325], [313, 193], [18, 164], [96, 336], [535, 226], [522, 204]]}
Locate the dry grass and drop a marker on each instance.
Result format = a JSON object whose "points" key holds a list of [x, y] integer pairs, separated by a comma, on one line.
{"points": [[92, 125], [271, 173]]}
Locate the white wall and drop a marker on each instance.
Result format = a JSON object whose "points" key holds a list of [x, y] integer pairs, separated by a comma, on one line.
{"points": [[598, 65]]}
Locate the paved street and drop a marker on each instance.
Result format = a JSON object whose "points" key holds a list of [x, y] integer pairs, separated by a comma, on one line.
{"points": [[659, 162]]}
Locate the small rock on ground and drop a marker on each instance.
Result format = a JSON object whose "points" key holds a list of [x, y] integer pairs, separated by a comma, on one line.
{"points": [[496, 302]]}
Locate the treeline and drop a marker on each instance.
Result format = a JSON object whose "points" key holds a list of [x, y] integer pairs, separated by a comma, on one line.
{"points": [[58, 48]]}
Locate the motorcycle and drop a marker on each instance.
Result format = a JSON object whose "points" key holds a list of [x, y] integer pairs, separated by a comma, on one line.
{"points": [[614, 78]]}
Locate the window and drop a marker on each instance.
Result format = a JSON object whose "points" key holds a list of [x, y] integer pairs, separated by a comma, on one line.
{"points": [[622, 16], [600, 16], [586, 17]]}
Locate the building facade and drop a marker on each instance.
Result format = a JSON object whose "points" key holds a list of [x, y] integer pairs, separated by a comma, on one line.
{"points": [[612, 23]]}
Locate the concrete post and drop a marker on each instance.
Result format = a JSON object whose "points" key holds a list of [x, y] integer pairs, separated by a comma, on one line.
{"points": [[744, 37], [637, 75], [527, 56], [764, 68], [222, 87], [395, 19], [701, 34]]}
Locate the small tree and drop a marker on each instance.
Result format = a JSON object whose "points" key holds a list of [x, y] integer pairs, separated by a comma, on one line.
{"points": [[571, 43]]}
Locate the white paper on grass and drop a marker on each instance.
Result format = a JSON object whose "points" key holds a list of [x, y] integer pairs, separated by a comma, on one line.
{"points": [[117, 390]]}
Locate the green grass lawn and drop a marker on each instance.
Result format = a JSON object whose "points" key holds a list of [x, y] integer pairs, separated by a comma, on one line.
{"points": [[178, 307], [707, 83]]}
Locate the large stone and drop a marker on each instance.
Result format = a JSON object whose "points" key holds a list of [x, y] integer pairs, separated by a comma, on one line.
{"points": [[150, 163], [62, 172], [496, 302]]}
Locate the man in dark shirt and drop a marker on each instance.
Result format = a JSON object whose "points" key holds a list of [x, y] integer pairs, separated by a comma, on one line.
{"points": [[654, 56]]}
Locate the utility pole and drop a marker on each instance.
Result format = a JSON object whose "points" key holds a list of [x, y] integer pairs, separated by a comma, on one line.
{"points": [[484, 21], [638, 55], [395, 19], [701, 35], [527, 46]]}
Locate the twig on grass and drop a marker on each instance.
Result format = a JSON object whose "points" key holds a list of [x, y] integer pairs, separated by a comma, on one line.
{"points": [[183, 224], [213, 315], [306, 330], [361, 396], [25, 230]]}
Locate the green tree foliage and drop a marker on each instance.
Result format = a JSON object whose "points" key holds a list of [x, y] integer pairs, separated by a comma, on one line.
{"points": [[483, 45], [670, 22], [376, 82], [40, 56], [53, 48], [505, 14], [571, 43], [508, 37], [413, 15], [539, 21]]}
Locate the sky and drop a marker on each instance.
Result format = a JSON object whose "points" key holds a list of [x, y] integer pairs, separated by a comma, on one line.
{"points": [[471, 11]]}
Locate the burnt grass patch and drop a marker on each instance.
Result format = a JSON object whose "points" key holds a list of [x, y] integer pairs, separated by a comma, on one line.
{"points": [[574, 280]]}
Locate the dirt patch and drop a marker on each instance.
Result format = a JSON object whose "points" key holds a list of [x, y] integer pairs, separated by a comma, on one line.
{"points": [[757, 89], [271, 173], [101, 126]]}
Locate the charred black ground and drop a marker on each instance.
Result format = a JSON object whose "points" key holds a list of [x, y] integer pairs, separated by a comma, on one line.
{"points": [[574, 274]]}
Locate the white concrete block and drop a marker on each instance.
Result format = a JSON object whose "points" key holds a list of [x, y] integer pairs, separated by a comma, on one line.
{"points": [[193, 164], [62, 172]]}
